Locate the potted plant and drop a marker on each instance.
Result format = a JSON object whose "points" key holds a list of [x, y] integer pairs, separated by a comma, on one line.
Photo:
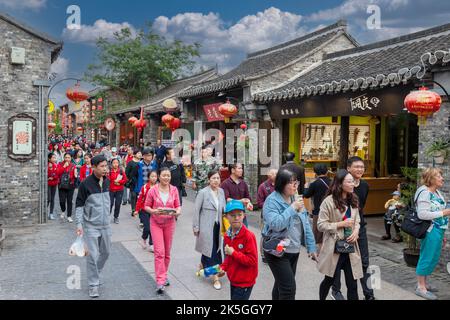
{"points": [[408, 190], [438, 149]]}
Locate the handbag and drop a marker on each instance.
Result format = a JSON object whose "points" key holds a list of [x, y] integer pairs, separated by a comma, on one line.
{"points": [[412, 224], [342, 246]]}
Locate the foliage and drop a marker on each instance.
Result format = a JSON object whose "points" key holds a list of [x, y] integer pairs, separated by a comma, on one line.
{"points": [[138, 64], [440, 144]]}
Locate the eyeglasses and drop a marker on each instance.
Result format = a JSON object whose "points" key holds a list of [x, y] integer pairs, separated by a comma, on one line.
{"points": [[294, 182]]}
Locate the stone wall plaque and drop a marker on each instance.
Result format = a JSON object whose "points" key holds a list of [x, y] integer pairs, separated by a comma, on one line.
{"points": [[22, 137]]}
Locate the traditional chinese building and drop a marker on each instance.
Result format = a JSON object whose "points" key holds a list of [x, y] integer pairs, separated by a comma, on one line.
{"points": [[25, 58], [352, 103], [262, 70]]}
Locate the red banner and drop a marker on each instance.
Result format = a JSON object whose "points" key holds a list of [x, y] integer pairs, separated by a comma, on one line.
{"points": [[212, 112]]}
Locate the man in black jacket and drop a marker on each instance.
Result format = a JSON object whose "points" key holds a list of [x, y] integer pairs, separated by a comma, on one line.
{"points": [[93, 220], [132, 173], [298, 170], [178, 178]]}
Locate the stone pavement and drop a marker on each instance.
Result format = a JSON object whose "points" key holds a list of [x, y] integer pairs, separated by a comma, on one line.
{"points": [[36, 261]]}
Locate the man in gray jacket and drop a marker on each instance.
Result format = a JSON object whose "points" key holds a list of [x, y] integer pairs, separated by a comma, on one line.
{"points": [[93, 220]]}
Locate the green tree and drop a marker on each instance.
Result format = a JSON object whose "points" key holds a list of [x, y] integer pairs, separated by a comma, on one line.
{"points": [[138, 64]]}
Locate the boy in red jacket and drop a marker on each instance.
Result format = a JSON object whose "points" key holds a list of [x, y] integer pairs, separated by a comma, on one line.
{"points": [[241, 262]]}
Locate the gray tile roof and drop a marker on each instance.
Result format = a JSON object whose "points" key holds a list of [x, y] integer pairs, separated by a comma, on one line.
{"points": [[379, 64], [41, 35], [263, 62], [154, 103]]}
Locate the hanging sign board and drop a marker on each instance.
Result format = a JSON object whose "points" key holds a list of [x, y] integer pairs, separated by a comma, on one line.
{"points": [[22, 137]]}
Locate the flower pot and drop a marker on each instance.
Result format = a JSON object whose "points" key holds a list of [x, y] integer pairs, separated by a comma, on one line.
{"points": [[411, 257]]}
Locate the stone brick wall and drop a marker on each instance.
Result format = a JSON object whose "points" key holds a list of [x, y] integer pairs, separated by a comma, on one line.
{"points": [[437, 127], [19, 182]]}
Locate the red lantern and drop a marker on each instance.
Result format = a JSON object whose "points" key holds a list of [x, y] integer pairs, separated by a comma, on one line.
{"points": [[51, 125], [132, 120], [141, 123], [423, 103], [80, 129], [167, 119], [228, 110], [243, 126], [175, 124], [76, 95]]}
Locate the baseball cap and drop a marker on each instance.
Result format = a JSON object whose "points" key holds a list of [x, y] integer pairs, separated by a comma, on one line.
{"points": [[396, 193], [234, 205], [113, 149]]}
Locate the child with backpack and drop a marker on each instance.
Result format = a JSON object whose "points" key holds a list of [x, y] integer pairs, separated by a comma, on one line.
{"points": [[144, 216]]}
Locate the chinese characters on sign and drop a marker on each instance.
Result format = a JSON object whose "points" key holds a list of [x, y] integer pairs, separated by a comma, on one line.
{"points": [[21, 137], [212, 112], [363, 103]]}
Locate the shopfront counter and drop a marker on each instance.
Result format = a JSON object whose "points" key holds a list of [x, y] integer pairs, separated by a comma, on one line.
{"points": [[380, 190]]}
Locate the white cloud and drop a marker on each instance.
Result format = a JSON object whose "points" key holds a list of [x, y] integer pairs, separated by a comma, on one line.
{"points": [[60, 67], [227, 45], [91, 33], [24, 4]]}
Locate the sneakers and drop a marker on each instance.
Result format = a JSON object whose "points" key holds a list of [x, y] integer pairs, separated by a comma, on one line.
{"points": [[369, 298], [337, 295], [93, 292], [141, 225], [217, 285], [167, 283], [143, 244], [62, 215], [432, 288], [51, 216], [70, 219], [151, 248], [160, 289], [426, 295], [116, 220]]}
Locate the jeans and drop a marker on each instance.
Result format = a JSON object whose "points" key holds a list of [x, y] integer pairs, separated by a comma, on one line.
{"points": [[133, 198], [116, 201], [145, 219], [283, 270], [364, 250], [51, 198], [126, 196], [66, 196], [238, 293], [352, 284]]}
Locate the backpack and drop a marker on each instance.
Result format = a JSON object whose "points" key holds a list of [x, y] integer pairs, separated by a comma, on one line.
{"points": [[65, 182]]}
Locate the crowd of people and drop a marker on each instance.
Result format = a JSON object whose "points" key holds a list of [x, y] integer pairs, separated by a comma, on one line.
{"points": [[153, 183]]}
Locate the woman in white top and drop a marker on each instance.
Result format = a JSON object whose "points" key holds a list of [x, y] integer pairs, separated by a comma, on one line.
{"points": [[430, 206], [207, 223]]}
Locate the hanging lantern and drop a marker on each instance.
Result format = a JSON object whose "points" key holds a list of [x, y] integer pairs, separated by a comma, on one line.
{"points": [[76, 95], [93, 108], [51, 125], [228, 110], [170, 105], [423, 103], [100, 104], [80, 129], [132, 120], [167, 119], [141, 123], [243, 126], [175, 124]]}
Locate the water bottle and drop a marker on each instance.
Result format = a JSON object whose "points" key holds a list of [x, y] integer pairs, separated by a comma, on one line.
{"points": [[210, 271]]}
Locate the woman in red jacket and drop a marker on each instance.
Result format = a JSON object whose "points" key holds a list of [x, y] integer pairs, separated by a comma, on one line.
{"points": [[67, 175], [144, 215], [53, 181], [86, 169], [117, 180]]}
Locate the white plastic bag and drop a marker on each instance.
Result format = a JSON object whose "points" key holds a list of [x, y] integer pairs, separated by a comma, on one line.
{"points": [[78, 248]]}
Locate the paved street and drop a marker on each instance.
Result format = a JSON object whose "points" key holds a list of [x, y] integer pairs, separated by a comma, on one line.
{"points": [[35, 261]]}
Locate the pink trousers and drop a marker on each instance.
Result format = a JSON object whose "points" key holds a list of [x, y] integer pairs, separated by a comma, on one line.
{"points": [[162, 231]]}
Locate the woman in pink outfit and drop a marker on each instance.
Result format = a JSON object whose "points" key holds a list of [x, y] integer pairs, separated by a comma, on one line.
{"points": [[163, 204]]}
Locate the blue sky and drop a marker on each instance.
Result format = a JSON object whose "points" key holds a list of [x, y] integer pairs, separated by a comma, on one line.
{"points": [[227, 30]]}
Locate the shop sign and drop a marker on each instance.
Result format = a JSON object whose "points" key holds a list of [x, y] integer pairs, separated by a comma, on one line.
{"points": [[387, 101], [212, 112], [22, 137]]}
